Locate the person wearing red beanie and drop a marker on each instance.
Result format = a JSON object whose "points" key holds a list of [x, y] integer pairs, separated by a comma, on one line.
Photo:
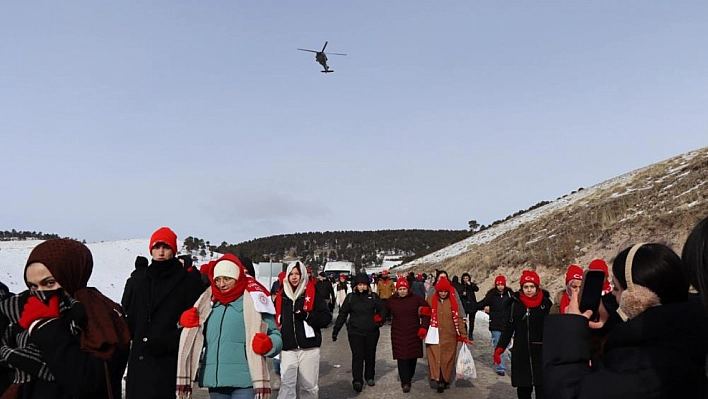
{"points": [[410, 319], [573, 280], [529, 308], [161, 292], [496, 304], [447, 328], [599, 264], [163, 235], [233, 317]]}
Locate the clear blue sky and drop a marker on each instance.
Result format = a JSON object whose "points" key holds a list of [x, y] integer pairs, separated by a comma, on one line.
{"points": [[119, 117]]}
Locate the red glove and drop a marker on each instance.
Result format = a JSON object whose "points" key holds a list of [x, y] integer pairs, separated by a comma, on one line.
{"points": [[189, 318], [262, 343], [460, 338], [35, 310], [422, 332], [497, 355], [377, 318], [426, 311]]}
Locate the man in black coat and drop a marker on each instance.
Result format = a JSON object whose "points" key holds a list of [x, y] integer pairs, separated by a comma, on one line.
{"points": [[161, 292], [418, 285], [467, 289], [325, 289]]}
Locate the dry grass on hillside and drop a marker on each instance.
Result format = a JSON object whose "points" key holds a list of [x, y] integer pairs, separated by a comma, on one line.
{"points": [[660, 203]]}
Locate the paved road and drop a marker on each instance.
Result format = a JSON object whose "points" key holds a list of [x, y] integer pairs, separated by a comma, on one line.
{"points": [[335, 372]]}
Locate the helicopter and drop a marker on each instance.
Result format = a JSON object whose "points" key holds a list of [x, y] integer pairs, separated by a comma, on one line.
{"points": [[321, 57]]}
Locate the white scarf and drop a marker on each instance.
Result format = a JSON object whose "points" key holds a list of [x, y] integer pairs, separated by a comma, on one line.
{"points": [[191, 342]]}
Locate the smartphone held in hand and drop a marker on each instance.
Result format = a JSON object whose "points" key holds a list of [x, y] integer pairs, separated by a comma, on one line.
{"points": [[591, 292]]}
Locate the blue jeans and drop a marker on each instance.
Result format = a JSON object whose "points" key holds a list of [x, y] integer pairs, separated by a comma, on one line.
{"points": [[240, 393], [496, 335], [276, 366]]}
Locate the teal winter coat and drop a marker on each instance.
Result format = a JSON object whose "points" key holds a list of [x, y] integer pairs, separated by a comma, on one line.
{"points": [[225, 363]]}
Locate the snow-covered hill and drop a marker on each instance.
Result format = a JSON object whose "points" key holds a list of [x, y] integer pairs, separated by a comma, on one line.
{"points": [[671, 170]]}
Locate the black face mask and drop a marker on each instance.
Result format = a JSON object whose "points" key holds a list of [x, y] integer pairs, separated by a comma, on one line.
{"points": [[45, 296]]}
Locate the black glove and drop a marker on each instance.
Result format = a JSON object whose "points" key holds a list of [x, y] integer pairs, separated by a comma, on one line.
{"points": [[301, 315], [334, 337]]}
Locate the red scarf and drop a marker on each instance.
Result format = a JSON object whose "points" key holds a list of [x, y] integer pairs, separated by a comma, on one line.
{"points": [[231, 295], [236, 291], [532, 302], [565, 301], [453, 306], [307, 306]]}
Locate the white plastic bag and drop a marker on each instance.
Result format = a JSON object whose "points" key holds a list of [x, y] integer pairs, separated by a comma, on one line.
{"points": [[465, 368], [432, 338]]}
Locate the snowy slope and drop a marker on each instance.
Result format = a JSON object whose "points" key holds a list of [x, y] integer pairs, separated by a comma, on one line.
{"points": [[496, 231]]}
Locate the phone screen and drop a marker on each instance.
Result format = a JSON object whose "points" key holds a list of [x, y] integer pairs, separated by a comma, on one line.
{"points": [[591, 291]]}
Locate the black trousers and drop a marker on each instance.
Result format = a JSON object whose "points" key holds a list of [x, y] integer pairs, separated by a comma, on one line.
{"points": [[406, 370], [525, 392], [470, 329], [363, 355]]}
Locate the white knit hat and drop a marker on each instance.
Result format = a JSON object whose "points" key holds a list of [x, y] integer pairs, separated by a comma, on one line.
{"points": [[226, 268]]}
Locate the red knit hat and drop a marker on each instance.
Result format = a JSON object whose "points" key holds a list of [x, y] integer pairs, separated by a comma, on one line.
{"points": [[500, 280], [574, 272], [164, 235], [599, 264], [443, 284], [402, 282], [206, 268], [530, 276]]}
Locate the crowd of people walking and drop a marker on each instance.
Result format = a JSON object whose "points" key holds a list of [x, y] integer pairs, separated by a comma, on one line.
{"points": [[178, 327]]}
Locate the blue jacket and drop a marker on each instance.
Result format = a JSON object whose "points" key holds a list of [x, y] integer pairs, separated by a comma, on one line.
{"points": [[225, 362]]}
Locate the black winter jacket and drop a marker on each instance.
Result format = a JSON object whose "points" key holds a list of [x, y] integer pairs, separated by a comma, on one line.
{"points": [[293, 330], [325, 290], [498, 302], [526, 326], [468, 296], [659, 354], [359, 309], [418, 288], [160, 293]]}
